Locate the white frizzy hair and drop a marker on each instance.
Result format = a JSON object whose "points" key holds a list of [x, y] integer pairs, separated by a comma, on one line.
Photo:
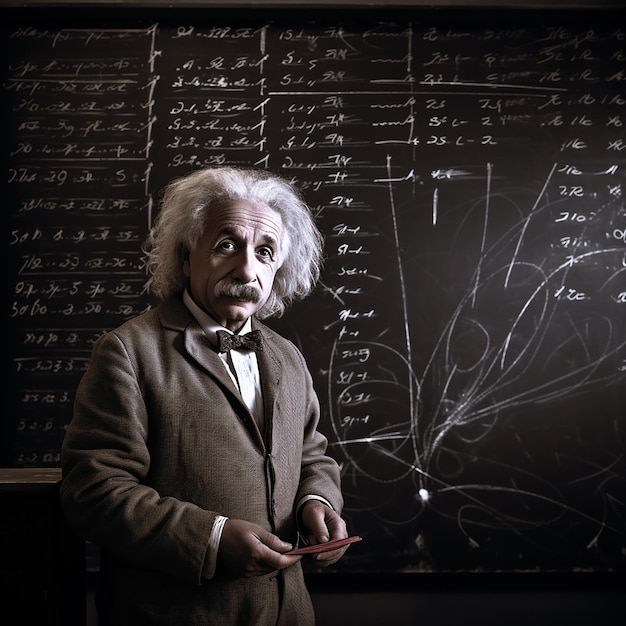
{"points": [[182, 219]]}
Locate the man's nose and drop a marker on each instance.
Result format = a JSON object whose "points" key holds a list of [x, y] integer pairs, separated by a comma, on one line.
{"points": [[244, 270]]}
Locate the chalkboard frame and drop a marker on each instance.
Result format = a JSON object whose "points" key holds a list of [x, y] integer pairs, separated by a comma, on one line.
{"points": [[306, 4]]}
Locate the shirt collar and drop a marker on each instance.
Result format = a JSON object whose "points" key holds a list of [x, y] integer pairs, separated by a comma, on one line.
{"points": [[209, 325]]}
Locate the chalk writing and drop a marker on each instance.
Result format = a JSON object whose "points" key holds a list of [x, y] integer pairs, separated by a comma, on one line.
{"points": [[468, 337]]}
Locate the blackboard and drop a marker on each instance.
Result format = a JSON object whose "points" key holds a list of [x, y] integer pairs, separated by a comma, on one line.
{"points": [[468, 337]]}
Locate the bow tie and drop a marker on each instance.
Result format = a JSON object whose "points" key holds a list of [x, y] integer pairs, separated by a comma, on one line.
{"points": [[250, 341]]}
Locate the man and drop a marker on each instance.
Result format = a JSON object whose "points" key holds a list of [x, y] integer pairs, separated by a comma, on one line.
{"points": [[194, 467]]}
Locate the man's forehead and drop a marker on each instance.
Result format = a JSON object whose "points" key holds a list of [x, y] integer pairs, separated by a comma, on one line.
{"points": [[245, 218]]}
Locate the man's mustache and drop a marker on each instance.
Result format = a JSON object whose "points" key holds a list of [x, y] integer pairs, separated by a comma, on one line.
{"points": [[239, 291]]}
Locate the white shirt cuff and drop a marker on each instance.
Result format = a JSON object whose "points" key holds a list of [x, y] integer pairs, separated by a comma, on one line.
{"points": [[214, 543]]}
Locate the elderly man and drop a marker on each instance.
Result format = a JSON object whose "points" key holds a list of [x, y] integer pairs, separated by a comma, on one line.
{"points": [[193, 457]]}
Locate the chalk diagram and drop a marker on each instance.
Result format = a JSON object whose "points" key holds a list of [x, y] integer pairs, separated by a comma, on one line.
{"points": [[493, 443]]}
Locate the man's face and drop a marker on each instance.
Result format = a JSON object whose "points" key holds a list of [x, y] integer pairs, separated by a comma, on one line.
{"points": [[232, 269]]}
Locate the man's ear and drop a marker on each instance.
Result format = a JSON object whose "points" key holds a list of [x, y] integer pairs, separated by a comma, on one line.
{"points": [[184, 257]]}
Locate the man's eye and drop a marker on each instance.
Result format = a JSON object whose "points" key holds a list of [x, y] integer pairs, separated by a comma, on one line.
{"points": [[226, 246], [266, 253]]}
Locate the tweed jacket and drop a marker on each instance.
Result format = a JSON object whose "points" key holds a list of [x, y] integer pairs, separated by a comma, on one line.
{"points": [[161, 443]]}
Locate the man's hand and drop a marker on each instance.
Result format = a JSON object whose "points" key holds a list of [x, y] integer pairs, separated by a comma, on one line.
{"points": [[248, 550], [322, 524]]}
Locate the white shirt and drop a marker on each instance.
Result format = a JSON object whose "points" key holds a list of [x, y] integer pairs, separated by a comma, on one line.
{"points": [[242, 365]]}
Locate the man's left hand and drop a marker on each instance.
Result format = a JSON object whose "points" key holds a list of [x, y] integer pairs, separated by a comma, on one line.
{"points": [[322, 524]]}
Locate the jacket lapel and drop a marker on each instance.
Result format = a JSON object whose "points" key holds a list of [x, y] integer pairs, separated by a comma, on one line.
{"points": [[270, 372], [200, 349], [175, 315]]}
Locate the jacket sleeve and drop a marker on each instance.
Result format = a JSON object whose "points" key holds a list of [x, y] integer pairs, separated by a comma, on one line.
{"points": [[105, 462]]}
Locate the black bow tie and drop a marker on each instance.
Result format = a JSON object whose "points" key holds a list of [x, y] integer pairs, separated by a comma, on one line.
{"points": [[250, 341]]}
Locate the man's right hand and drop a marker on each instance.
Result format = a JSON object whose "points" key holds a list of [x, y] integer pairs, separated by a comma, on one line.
{"points": [[248, 550]]}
